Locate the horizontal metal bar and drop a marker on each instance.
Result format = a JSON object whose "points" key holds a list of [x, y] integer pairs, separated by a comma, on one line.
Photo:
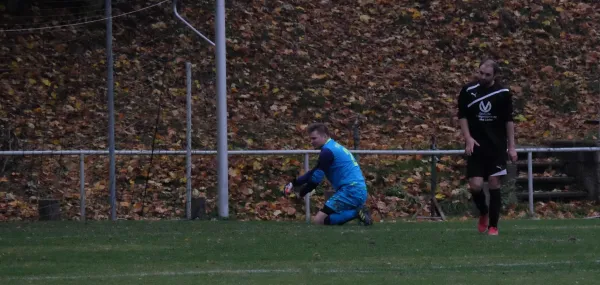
{"points": [[278, 152]]}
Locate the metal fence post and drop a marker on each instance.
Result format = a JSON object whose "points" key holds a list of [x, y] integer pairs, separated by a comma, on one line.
{"points": [[307, 197], [111, 112], [82, 186], [188, 156], [530, 182]]}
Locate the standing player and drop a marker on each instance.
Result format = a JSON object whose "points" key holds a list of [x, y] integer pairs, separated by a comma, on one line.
{"points": [[341, 169], [485, 112]]}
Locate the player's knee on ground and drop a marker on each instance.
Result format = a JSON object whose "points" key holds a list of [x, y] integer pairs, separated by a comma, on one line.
{"points": [[475, 184], [319, 219]]}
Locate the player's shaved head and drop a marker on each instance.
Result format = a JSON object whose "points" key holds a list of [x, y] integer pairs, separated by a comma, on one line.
{"points": [[488, 70], [318, 127], [318, 134], [491, 63]]}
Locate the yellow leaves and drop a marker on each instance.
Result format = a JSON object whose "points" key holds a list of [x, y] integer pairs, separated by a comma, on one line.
{"points": [[546, 134], [137, 207], [159, 26], [125, 204], [415, 14], [410, 180], [11, 92], [32, 81], [365, 18], [440, 196], [318, 116], [256, 165], [547, 23], [275, 90], [319, 76], [234, 172], [520, 118], [559, 9]]}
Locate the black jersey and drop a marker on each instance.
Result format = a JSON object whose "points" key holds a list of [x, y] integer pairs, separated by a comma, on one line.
{"points": [[487, 111]]}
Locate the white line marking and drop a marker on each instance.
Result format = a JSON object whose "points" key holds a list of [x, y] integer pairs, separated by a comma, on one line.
{"points": [[285, 271], [161, 273]]}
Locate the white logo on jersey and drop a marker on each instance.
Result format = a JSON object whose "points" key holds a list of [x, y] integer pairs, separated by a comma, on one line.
{"points": [[485, 107]]}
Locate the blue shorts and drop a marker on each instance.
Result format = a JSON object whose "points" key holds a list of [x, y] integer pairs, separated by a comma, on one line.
{"points": [[347, 198]]}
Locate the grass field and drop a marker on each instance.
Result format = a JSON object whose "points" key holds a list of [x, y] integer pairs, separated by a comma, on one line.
{"points": [[227, 252]]}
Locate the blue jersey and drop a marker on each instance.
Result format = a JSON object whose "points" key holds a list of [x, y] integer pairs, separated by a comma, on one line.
{"points": [[338, 165]]}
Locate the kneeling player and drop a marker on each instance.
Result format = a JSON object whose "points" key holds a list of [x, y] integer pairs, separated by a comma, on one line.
{"points": [[341, 169]]}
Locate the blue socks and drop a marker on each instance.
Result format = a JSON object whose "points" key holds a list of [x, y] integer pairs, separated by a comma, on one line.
{"points": [[341, 218]]}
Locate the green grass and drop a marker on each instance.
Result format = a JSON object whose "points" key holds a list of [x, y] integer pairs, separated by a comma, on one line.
{"points": [[228, 252]]}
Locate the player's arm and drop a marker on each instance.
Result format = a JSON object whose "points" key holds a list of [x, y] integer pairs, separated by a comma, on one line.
{"points": [[510, 127], [464, 124], [310, 180], [462, 114]]}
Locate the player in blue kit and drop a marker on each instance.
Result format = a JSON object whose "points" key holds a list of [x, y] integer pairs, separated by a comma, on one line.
{"points": [[340, 167]]}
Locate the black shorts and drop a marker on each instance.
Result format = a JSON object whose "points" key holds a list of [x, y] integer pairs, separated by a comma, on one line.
{"points": [[485, 163]]}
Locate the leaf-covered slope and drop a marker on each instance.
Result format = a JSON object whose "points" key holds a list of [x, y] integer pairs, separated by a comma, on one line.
{"points": [[397, 65]]}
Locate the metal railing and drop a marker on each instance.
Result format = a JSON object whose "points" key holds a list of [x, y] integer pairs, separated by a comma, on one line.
{"points": [[306, 153]]}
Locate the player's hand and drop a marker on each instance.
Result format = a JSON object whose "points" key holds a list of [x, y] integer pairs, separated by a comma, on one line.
{"points": [[288, 189], [512, 154], [471, 143]]}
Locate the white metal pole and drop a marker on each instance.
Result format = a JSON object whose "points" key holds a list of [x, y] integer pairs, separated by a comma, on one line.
{"points": [[307, 197], [222, 155], [82, 186], [530, 182]]}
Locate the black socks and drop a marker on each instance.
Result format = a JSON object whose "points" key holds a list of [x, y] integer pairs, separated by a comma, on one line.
{"points": [[495, 205], [479, 199]]}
